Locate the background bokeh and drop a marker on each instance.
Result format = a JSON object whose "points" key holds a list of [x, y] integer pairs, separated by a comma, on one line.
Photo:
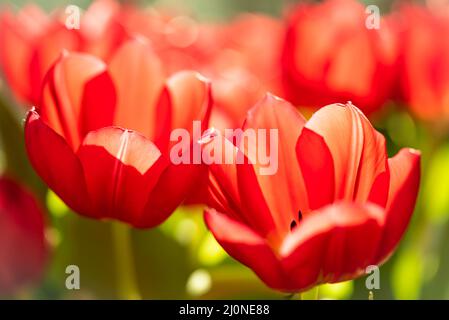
{"points": [[181, 259]]}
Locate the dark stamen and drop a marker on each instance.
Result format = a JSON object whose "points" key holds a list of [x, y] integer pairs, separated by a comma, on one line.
{"points": [[299, 215], [292, 225]]}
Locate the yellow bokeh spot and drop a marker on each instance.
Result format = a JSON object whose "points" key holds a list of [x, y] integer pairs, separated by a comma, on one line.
{"points": [[337, 291], [199, 283], [55, 205], [210, 253]]}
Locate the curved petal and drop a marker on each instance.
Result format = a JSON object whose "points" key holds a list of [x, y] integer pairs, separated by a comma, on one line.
{"points": [[283, 189], [223, 171], [317, 168], [234, 185], [19, 35], [101, 30], [333, 244], [121, 168], [63, 93], [56, 163], [46, 51], [98, 104], [138, 76], [358, 150], [173, 187], [404, 185], [246, 246], [15, 54], [186, 98]]}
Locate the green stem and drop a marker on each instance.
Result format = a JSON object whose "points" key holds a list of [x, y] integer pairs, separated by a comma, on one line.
{"points": [[294, 296], [317, 293], [125, 268]]}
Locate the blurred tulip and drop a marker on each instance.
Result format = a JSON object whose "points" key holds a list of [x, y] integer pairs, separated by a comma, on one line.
{"points": [[100, 136], [330, 55], [336, 204], [31, 41], [425, 61], [241, 58], [101, 29], [247, 66], [23, 250]]}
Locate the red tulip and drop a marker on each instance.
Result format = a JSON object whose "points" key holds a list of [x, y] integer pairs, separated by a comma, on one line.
{"points": [[23, 249], [31, 41], [330, 55], [425, 76], [100, 136], [336, 204], [246, 66], [241, 57], [101, 29]]}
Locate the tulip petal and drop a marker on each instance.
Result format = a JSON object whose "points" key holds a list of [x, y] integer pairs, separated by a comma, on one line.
{"points": [[116, 161], [46, 51], [223, 173], [333, 244], [63, 93], [174, 185], [238, 192], [138, 77], [19, 36], [358, 150], [15, 38], [186, 98], [98, 104], [404, 186], [56, 163], [246, 246], [284, 189], [317, 168]]}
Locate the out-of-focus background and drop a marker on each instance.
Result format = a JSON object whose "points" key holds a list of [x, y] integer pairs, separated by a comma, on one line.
{"points": [[180, 259]]}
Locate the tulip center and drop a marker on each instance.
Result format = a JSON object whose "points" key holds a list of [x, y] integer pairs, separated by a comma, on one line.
{"points": [[295, 222]]}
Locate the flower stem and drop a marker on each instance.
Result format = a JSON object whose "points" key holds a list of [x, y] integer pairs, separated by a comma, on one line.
{"points": [[293, 296], [125, 268]]}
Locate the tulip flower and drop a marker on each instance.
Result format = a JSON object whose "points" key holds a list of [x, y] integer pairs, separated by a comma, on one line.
{"points": [[23, 250], [29, 43], [100, 135], [31, 40], [241, 57], [331, 55], [336, 204], [425, 62], [246, 67]]}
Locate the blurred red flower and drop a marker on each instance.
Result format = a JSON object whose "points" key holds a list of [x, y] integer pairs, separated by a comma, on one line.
{"points": [[246, 66], [23, 250], [100, 136], [240, 57], [336, 204], [425, 62], [331, 56], [31, 41]]}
